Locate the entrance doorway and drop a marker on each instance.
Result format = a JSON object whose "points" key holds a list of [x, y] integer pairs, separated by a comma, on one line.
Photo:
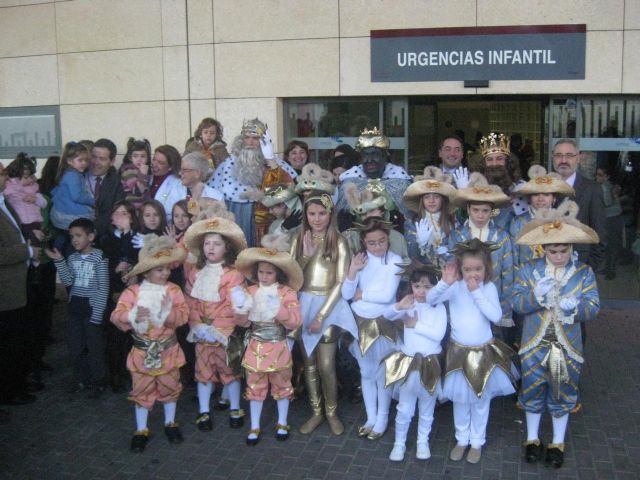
{"points": [[431, 119]]}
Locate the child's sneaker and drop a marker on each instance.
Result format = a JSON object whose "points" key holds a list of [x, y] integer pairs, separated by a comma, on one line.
{"points": [[422, 451], [397, 454], [474, 455], [457, 452]]}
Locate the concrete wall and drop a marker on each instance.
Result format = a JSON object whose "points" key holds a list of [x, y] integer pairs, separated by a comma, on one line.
{"points": [[154, 68]]}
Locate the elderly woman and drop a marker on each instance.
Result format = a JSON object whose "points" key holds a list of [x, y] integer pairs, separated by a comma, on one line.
{"points": [[193, 173]]}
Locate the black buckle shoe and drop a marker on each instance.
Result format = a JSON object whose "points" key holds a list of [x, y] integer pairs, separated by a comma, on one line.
{"points": [[139, 441], [204, 422], [173, 433], [554, 458], [236, 418], [534, 452]]}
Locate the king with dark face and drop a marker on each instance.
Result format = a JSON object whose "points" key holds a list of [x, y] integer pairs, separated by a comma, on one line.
{"points": [[374, 160]]}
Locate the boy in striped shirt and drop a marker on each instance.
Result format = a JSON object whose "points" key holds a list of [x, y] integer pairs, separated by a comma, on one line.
{"points": [[86, 272]]}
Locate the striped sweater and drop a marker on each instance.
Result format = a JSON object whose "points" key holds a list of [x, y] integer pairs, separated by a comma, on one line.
{"points": [[88, 277]]}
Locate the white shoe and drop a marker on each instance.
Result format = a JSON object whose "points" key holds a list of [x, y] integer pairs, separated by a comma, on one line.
{"points": [[397, 454], [422, 451]]}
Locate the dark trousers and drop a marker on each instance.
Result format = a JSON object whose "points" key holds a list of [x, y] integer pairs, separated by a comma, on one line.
{"points": [[14, 361], [86, 343], [119, 344], [189, 349], [41, 290]]}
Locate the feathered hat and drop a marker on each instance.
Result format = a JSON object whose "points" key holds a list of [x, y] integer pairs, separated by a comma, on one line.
{"points": [[274, 250], [209, 208], [480, 191], [543, 182], [157, 252], [361, 202], [280, 193], [557, 225], [313, 177], [432, 181]]}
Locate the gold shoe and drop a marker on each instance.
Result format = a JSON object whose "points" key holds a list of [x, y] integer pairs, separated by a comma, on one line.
{"points": [[364, 431], [375, 435], [335, 425], [311, 424]]}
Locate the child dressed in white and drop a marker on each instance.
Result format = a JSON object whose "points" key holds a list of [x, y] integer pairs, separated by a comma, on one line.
{"points": [[478, 367], [371, 284], [416, 367]]}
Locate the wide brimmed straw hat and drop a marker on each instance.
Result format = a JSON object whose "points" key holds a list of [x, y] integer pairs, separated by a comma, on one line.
{"points": [[543, 182], [275, 251], [557, 225], [157, 252], [313, 177], [480, 191], [222, 226], [433, 181]]}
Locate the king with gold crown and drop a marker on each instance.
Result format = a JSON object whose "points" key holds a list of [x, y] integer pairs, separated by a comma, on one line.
{"points": [[376, 173]]}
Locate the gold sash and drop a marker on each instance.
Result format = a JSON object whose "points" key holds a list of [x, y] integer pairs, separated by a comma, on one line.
{"points": [[153, 349]]}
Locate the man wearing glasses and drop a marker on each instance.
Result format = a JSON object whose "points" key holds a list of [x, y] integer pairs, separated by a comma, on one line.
{"points": [[588, 197]]}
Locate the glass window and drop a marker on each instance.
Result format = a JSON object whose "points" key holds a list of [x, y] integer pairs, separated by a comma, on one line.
{"points": [[34, 130]]}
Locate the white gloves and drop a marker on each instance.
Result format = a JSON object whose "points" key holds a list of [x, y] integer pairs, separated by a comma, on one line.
{"points": [[424, 230], [568, 304], [238, 297], [461, 177], [117, 232], [138, 240], [266, 145], [544, 286]]}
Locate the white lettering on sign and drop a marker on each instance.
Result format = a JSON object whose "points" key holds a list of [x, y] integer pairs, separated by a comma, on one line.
{"points": [[453, 58], [477, 57], [520, 57]]}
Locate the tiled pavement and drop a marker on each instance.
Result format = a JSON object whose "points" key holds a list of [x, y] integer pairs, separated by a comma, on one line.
{"points": [[67, 436]]}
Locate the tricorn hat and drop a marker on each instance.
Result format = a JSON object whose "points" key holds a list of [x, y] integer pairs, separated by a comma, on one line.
{"points": [[543, 182], [557, 225]]}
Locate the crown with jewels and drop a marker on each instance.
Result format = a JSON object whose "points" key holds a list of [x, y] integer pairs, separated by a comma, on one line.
{"points": [[253, 127], [372, 138], [495, 143]]}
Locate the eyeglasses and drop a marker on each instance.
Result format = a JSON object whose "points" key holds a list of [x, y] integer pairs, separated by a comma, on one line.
{"points": [[560, 156], [187, 170]]}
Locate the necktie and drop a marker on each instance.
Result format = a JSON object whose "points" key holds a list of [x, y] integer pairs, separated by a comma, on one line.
{"points": [[96, 190]]}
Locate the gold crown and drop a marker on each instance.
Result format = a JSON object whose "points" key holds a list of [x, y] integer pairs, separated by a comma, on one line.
{"points": [[372, 138], [253, 127], [495, 143]]}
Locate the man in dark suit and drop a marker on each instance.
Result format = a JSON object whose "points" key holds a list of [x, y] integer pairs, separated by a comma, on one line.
{"points": [[588, 197], [104, 182], [15, 255]]}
